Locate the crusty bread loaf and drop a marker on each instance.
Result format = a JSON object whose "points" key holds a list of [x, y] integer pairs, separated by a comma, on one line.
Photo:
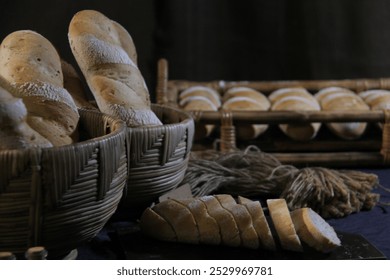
{"points": [[314, 230], [194, 103], [106, 55], [15, 133], [32, 66], [219, 219], [209, 93], [376, 99], [341, 99], [180, 219], [296, 99], [74, 85], [244, 99], [284, 225]]}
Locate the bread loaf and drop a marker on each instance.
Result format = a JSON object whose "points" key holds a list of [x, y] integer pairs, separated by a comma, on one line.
{"points": [[204, 91], [74, 85], [377, 100], [341, 99], [296, 99], [106, 55], [220, 220], [246, 99], [32, 66], [15, 133], [198, 99]]}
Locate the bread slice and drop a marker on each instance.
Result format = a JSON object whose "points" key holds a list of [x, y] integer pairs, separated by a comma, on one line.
{"points": [[314, 230], [284, 225], [259, 223], [181, 220], [156, 226], [227, 225], [207, 225], [248, 234]]}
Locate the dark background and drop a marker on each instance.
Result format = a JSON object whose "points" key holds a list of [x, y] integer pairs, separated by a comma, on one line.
{"points": [[230, 39]]}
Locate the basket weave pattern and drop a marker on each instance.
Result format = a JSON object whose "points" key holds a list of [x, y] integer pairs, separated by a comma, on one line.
{"points": [[60, 197], [158, 155]]}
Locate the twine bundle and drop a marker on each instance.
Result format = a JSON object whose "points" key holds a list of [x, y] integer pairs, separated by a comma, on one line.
{"points": [[252, 173]]}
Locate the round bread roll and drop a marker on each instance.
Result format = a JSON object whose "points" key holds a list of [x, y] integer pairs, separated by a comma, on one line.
{"points": [[284, 92], [339, 99], [204, 91], [195, 104], [377, 100], [242, 103], [15, 133], [296, 99], [247, 92], [32, 66], [106, 55]]}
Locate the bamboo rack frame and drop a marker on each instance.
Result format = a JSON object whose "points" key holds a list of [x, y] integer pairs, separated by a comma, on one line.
{"points": [[337, 154]]}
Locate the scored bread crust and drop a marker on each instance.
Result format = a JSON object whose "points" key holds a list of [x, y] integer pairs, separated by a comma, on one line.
{"points": [[259, 223], [181, 220], [228, 228], [32, 66], [207, 225], [314, 230], [248, 234], [284, 225], [15, 133], [156, 226], [106, 55]]}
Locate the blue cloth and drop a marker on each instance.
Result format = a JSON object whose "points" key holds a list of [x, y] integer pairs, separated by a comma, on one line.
{"points": [[373, 225]]}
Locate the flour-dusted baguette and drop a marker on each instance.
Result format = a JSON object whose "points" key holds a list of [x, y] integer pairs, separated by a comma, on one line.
{"points": [[341, 99], [314, 230], [106, 55], [15, 133], [221, 220], [32, 66], [296, 99], [284, 225], [74, 85]]}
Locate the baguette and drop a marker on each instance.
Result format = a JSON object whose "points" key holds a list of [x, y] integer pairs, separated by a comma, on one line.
{"points": [[106, 55], [15, 133], [74, 85], [32, 66]]}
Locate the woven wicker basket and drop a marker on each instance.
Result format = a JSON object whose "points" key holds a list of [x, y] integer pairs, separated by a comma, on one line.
{"points": [[60, 197], [158, 155]]}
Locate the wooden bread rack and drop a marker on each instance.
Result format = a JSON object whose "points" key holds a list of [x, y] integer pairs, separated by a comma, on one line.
{"points": [[371, 150]]}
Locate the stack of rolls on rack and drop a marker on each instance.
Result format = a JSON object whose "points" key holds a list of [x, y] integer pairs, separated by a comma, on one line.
{"points": [[246, 99], [196, 99], [377, 99], [31, 69], [296, 99], [342, 99]]}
